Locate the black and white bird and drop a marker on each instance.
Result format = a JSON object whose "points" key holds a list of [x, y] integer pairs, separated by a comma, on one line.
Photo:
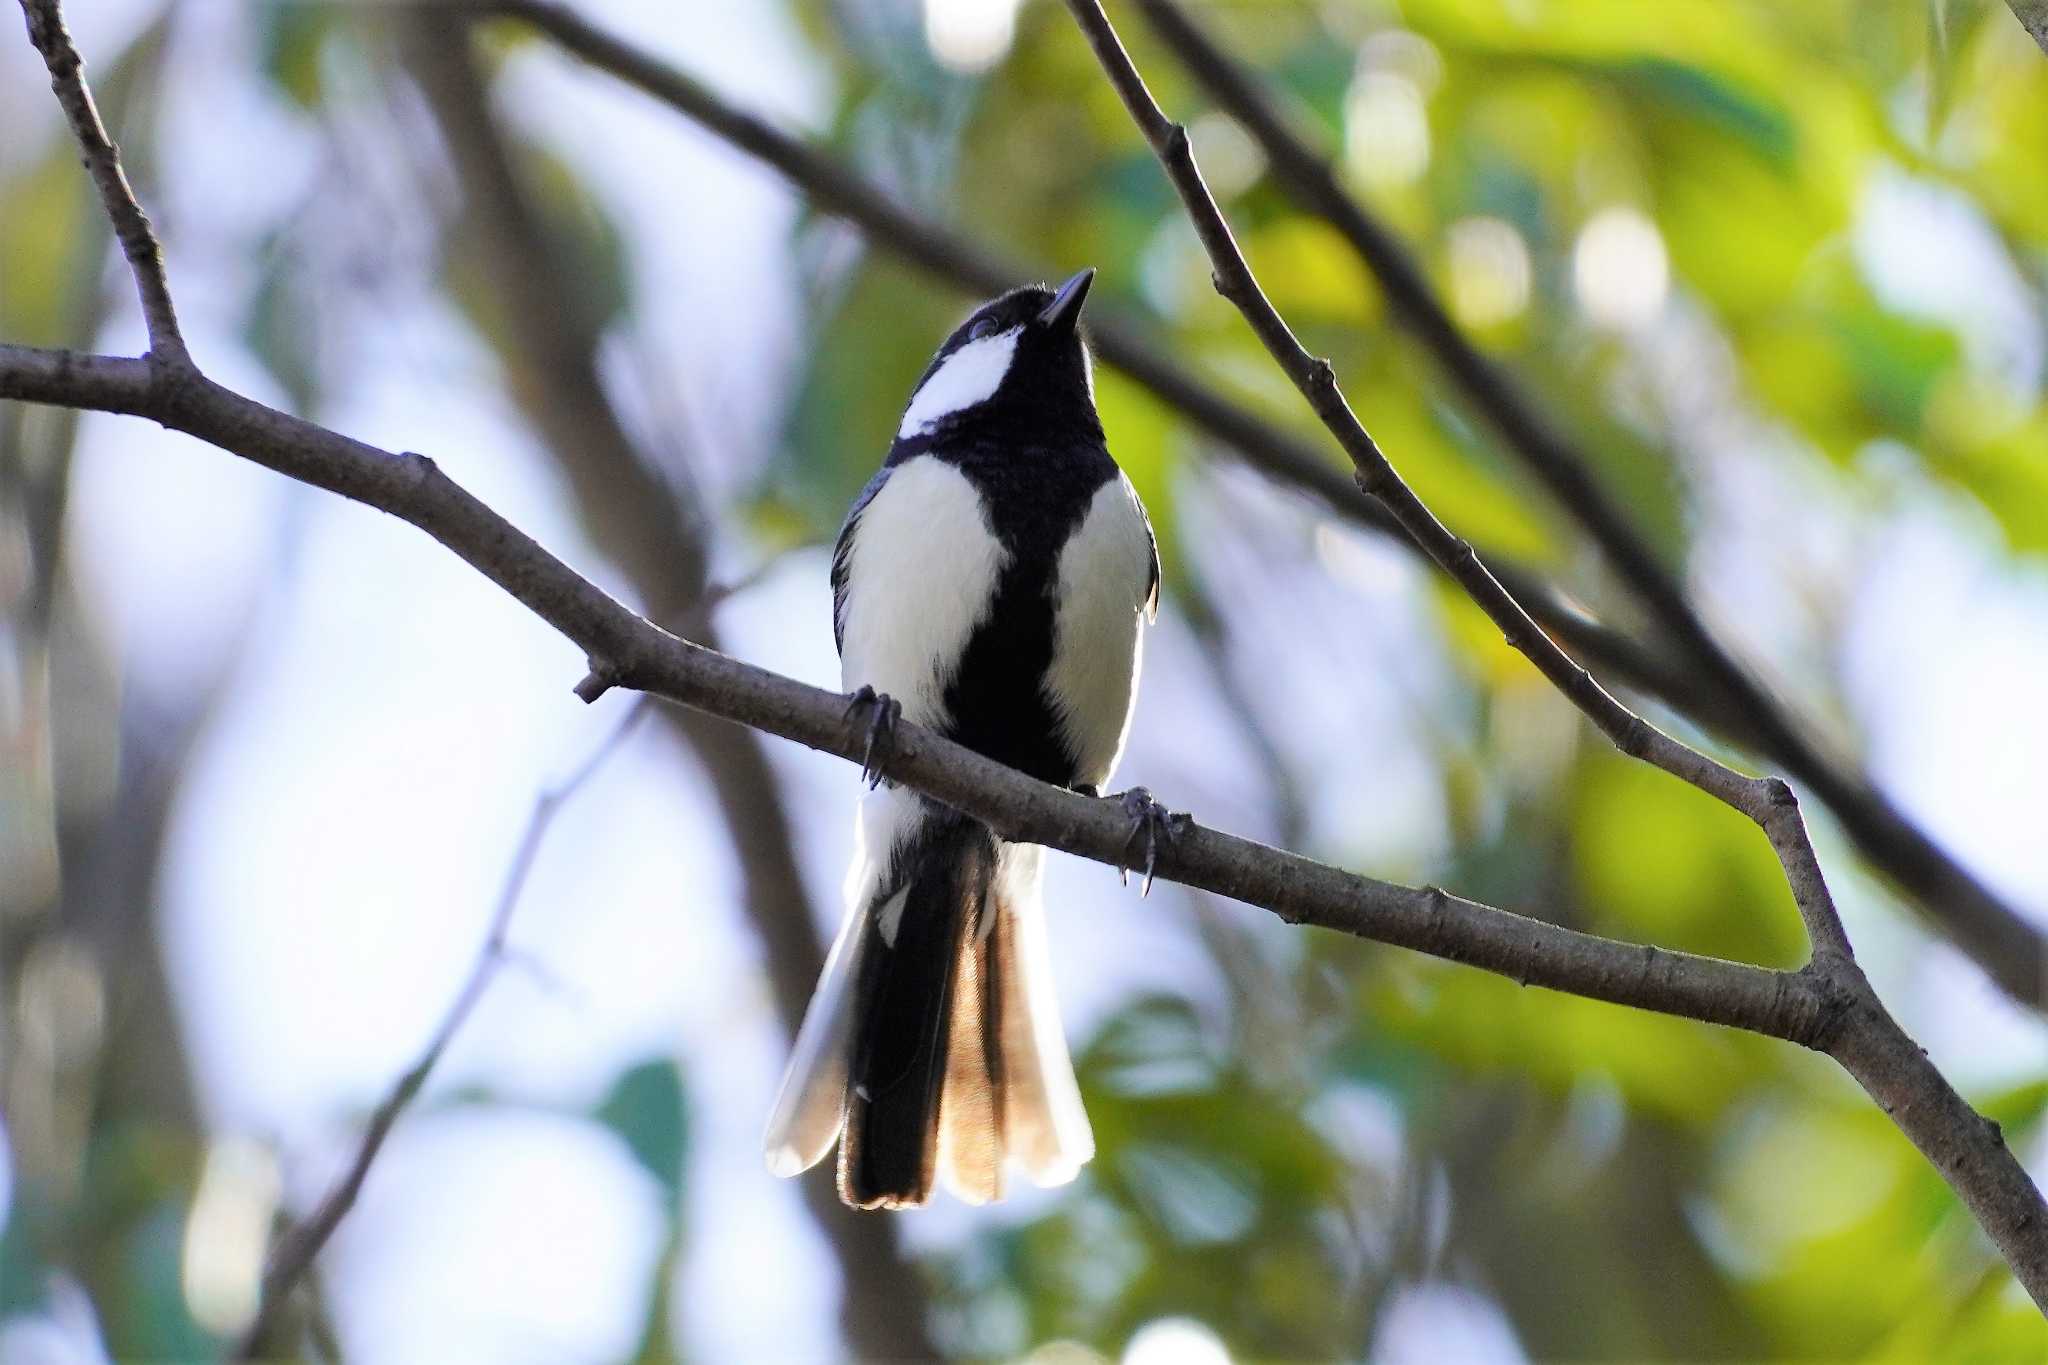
{"points": [[991, 582]]}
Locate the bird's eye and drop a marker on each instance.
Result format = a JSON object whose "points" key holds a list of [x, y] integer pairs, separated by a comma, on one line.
{"points": [[980, 328]]}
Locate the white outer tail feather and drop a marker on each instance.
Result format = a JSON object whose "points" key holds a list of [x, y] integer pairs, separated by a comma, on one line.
{"points": [[1045, 1131]]}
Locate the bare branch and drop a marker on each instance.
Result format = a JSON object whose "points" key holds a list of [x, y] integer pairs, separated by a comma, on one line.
{"points": [[103, 161], [292, 1257], [2003, 942]]}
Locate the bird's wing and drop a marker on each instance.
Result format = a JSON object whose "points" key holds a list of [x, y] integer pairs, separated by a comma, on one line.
{"points": [[1151, 550], [842, 555]]}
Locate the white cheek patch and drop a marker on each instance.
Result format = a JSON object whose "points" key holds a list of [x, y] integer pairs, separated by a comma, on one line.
{"points": [[970, 375]]}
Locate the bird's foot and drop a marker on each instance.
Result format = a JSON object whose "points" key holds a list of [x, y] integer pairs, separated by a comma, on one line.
{"points": [[1152, 827], [881, 712]]}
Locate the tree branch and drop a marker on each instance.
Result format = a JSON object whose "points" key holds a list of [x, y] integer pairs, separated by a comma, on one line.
{"points": [[1827, 1005], [2003, 942], [1768, 801], [2033, 17], [292, 1256]]}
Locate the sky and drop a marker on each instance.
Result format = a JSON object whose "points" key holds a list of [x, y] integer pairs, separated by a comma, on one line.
{"points": [[391, 718]]}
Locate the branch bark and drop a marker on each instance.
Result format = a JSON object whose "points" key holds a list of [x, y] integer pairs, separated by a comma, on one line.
{"points": [[2033, 17], [2003, 942], [1827, 1005]]}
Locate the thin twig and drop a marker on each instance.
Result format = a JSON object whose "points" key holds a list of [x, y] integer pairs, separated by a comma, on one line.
{"points": [[2009, 948], [292, 1258], [131, 225]]}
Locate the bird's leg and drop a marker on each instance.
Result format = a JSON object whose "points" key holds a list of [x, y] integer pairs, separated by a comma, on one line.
{"points": [[1151, 826], [882, 711]]}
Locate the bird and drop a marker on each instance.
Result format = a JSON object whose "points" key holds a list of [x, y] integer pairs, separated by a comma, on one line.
{"points": [[991, 582]]}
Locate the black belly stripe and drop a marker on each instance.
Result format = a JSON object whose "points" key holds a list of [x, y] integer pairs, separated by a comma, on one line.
{"points": [[997, 700]]}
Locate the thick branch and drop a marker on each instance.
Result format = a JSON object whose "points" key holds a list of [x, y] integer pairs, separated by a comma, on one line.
{"points": [[2002, 941], [1833, 1010]]}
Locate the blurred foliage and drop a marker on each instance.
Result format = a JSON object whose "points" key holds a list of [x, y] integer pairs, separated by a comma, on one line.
{"points": [[1351, 1121], [1626, 1186]]}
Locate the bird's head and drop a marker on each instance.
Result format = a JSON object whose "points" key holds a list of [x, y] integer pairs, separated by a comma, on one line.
{"points": [[1017, 360]]}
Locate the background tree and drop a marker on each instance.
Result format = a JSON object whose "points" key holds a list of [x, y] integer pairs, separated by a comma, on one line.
{"points": [[1776, 277]]}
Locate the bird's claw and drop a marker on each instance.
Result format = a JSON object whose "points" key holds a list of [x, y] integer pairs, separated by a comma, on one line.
{"points": [[882, 712], [1151, 826]]}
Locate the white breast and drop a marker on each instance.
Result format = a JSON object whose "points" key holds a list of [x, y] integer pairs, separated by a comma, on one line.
{"points": [[921, 574], [1104, 572]]}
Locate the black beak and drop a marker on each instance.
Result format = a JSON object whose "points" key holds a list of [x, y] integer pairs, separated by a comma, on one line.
{"points": [[1064, 312]]}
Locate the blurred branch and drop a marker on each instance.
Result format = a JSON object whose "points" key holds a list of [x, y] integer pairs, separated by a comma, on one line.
{"points": [[1277, 453], [1827, 1005], [656, 529], [2004, 943], [1721, 699], [293, 1255], [1768, 801], [2033, 17]]}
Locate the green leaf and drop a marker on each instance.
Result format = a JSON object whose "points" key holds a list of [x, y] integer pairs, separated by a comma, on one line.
{"points": [[646, 1109], [48, 243], [290, 36], [1658, 862]]}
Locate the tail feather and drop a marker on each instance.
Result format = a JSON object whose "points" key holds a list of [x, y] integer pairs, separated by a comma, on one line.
{"points": [[811, 1107], [971, 1108], [933, 1050], [1045, 1128], [888, 1152]]}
